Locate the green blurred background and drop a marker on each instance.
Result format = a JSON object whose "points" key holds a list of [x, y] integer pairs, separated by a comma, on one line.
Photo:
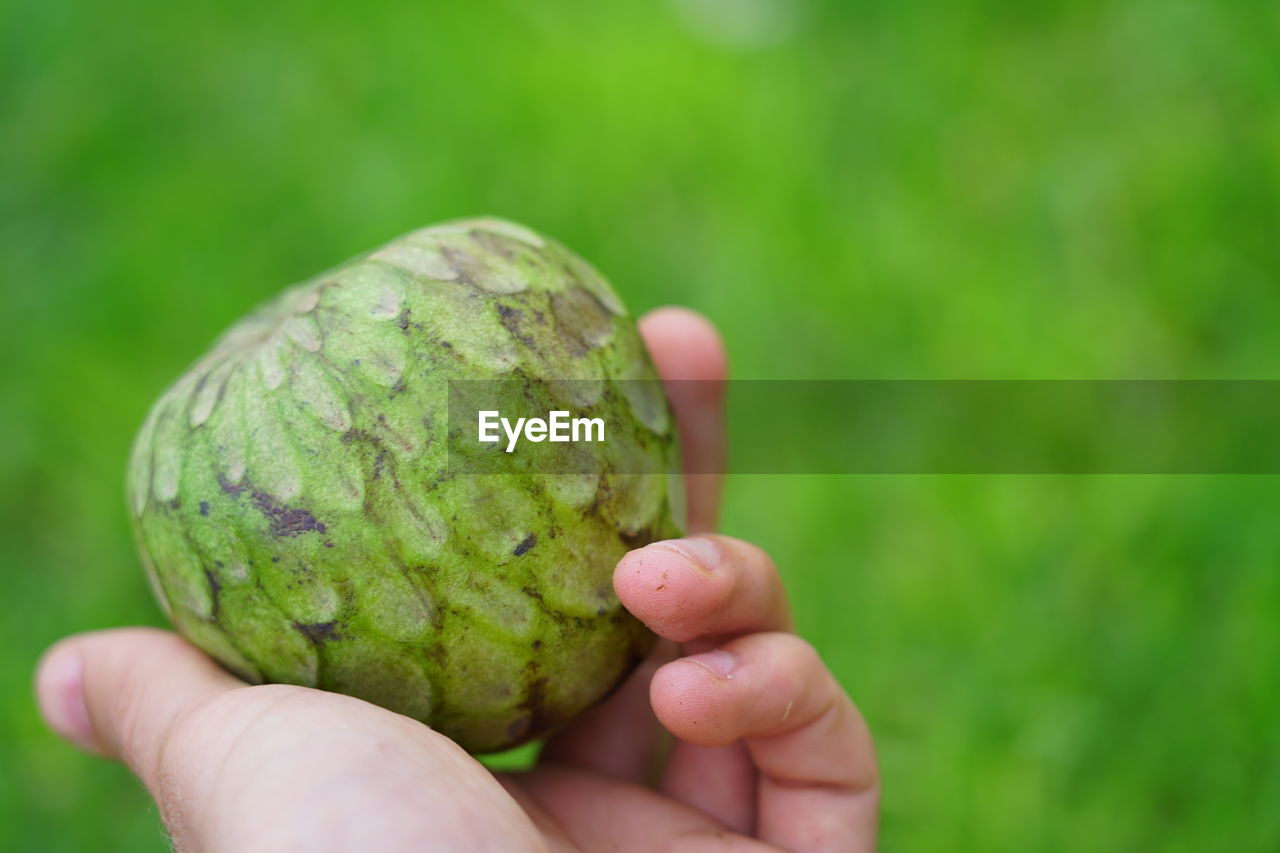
{"points": [[856, 189]]}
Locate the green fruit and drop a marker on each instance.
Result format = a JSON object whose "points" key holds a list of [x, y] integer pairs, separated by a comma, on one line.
{"points": [[300, 522]]}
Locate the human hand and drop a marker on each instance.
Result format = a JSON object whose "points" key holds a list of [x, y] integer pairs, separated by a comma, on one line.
{"points": [[771, 752]]}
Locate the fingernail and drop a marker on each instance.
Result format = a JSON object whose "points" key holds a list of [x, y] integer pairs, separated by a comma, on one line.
{"points": [[699, 551], [719, 662], [60, 689]]}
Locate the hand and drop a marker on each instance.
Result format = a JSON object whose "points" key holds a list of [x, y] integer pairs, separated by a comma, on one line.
{"points": [[770, 752]]}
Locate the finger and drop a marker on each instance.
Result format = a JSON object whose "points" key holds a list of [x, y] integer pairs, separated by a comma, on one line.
{"points": [[690, 358], [719, 781], [694, 590], [702, 586], [118, 693], [818, 781], [687, 590]]}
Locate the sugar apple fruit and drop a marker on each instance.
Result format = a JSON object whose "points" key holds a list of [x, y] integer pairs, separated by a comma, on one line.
{"points": [[300, 521]]}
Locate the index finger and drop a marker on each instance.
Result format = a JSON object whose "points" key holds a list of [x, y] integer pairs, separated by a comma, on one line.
{"points": [[690, 358], [702, 587]]}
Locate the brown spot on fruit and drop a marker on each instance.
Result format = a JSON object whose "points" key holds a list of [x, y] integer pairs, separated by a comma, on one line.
{"points": [[286, 521], [228, 487], [215, 590], [318, 632], [513, 320]]}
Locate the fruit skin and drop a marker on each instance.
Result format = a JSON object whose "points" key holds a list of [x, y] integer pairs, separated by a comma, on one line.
{"points": [[298, 520]]}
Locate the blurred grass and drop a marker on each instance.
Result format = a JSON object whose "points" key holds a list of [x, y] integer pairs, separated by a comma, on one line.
{"points": [[970, 189]]}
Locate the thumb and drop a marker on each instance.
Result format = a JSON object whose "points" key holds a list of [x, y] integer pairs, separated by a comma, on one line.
{"points": [[119, 693]]}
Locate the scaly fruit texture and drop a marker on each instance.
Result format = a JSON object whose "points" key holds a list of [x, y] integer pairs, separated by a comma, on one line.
{"points": [[299, 522]]}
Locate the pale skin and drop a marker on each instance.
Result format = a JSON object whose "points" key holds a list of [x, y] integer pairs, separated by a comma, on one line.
{"points": [[768, 752]]}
